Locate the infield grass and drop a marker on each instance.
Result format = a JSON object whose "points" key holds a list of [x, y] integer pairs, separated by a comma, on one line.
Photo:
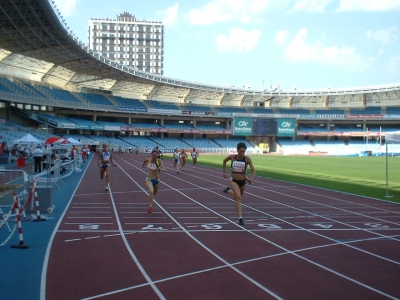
{"points": [[364, 176]]}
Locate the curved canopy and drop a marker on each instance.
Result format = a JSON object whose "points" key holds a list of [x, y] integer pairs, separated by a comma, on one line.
{"points": [[28, 139]]}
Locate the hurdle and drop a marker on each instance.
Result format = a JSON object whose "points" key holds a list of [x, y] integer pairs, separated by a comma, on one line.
{"points": [[21, 244], [38, 216]]}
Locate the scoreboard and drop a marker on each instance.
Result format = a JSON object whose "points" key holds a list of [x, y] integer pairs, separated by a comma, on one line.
{"points": [[264, 126]]}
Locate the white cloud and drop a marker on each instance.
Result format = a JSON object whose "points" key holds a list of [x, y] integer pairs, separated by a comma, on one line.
{"points": [[368, 5], [299, 50], [170, 15], [67, 7], [238, 40], [218, 11], [394, 65], [281, 37], [311, 5], [385, 36]]}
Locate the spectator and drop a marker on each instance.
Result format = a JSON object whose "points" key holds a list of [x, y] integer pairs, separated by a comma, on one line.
{"points": [[38, 156], [74, 151]]}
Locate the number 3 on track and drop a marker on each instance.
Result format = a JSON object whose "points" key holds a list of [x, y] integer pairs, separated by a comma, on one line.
{"points": [[211, 226]]}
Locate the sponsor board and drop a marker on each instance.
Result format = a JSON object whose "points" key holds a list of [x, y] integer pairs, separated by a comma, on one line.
{"points": [[243, 126], [220, 113], [364, 116], [128, 108], [391, 116], [165, 111], [286, 127], [68, 125]]}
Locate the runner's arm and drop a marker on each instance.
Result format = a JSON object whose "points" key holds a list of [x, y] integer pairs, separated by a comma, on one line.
{"points": [[253, 170]]}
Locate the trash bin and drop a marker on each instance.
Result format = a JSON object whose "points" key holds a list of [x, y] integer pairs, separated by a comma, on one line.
{"points": [[21, 162]]}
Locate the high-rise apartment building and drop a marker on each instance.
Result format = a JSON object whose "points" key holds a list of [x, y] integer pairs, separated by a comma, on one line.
{"points": [[137, 44]]}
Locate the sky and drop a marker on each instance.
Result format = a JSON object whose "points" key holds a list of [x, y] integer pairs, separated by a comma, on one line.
{"points": [[264, 44]]}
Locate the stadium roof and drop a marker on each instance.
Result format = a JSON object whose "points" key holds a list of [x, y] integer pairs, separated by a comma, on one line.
{"points": [[36, 44]]}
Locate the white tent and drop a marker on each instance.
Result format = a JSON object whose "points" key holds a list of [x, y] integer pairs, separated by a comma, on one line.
{"points": [[73, 141], [28, 139], [392, 137]]}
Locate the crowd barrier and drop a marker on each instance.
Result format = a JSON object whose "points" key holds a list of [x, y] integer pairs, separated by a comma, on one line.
{"points": [[11, 179]]}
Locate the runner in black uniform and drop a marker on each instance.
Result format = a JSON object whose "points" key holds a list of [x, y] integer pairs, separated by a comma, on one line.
{"points": [[239, 163]]}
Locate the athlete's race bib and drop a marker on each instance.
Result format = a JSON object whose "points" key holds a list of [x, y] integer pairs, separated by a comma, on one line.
{"points": [[152, 166], [238, 166]]}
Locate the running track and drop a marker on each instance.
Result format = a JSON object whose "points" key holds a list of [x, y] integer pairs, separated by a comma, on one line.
{"points": [[298, 242]]}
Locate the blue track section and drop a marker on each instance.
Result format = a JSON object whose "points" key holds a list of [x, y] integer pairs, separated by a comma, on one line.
{"points": [[21, 269]]}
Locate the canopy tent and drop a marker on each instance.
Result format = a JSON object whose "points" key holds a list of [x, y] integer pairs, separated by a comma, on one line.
{"points": [[54, 140], [28, 139], [73, 141], [392, 137]]}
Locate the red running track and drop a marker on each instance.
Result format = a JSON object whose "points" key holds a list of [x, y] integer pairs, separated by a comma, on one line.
{"points": [[298, 242]]}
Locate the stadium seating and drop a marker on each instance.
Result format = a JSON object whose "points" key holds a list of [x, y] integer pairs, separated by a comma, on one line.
{"points": [[58, 94], [107, 123], [230, 109], [285, 111], [296, 147], [366, 111], [231, 143], [95, 99], [169, 143], [201, 143], [129, 103], [162, 105], [197, 108]]}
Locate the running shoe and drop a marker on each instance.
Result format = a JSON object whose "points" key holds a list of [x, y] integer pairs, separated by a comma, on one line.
{"points": [[227, 190], [150, 210], [106, 189], [241, 222]]}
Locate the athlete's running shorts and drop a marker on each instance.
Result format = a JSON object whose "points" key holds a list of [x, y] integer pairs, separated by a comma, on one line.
{"points": [[154, 181]]}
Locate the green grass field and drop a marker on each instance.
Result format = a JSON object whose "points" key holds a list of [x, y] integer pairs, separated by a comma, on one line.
{"points": [[357, 175]]}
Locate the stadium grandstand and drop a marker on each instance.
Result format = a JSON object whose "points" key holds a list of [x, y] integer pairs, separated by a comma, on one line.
{"points": [[51, 83]]}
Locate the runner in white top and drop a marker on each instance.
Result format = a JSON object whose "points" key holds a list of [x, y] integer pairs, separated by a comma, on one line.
{"points": [[176, 155], [104, 161], [194, 155]]}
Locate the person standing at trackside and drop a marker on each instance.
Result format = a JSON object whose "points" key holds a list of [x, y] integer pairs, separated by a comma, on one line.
{"points": [[84, 153], [194, 155], [155, 166], [74, 151], [175, 155], [183, 156], [103, 161], [239, 163], [37, 156]]}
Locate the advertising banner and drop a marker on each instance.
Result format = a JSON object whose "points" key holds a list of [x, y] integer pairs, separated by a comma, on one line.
{"points": [[243, 126], [286, 127]]}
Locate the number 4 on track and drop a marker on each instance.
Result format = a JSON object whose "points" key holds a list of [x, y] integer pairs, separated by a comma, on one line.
{"points": [[269, 226], [322, 225]]}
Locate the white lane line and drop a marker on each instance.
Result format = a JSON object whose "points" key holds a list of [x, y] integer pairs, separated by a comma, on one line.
{"points": [[88, 217]]}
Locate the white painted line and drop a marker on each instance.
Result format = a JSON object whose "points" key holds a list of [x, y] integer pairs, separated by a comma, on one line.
{"points": [[198, 218], [88, 223], [89, 217]]}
